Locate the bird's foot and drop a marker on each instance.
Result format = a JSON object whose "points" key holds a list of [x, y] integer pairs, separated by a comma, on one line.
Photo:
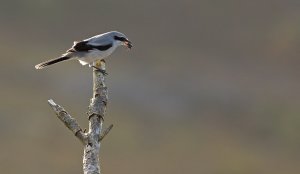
{"points": [[100, 70]]}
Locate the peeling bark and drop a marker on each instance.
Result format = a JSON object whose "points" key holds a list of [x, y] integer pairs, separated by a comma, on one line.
{"points": [[96, 112]]}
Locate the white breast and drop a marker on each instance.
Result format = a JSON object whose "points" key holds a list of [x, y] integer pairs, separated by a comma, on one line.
{"points": [[94, 55]]}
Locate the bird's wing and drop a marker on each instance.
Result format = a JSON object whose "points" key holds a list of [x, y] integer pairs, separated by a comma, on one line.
{"points": [[81, 46], [85, 46]]}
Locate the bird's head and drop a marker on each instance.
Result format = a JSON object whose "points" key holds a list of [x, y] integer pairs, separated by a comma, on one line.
{"points": [[121, 39]]}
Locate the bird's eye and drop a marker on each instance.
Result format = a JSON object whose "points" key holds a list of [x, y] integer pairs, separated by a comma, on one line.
{"points": [[122, 39]]}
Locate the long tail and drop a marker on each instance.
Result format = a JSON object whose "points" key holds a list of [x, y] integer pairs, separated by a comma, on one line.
{"points": [[52, 61]]}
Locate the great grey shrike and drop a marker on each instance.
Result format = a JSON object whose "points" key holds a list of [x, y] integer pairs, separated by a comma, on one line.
{"points": [[89, 50]]}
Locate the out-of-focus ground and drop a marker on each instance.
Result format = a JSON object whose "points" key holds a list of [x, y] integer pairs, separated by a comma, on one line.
{"points": [[209, 87]]}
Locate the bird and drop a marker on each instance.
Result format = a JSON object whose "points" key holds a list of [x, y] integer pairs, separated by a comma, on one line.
{"points": [[92, 49]]}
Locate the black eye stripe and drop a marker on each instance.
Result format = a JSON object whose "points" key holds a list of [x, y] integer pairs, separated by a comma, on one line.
{"points": [[120, 38]]}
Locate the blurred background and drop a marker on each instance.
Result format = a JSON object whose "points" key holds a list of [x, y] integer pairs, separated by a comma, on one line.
{"points": [[209, 87]]}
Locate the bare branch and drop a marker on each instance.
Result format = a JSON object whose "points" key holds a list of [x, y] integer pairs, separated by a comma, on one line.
{"points": [[106, 131], [96, 114], [69, 121]]}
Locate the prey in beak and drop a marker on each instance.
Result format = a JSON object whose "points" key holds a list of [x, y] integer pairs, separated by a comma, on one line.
{"points": [[124, 41], [128, 44]]}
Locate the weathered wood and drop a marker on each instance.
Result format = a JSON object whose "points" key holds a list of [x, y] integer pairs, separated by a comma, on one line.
{"points": [[69, 121], [96, 112], [96, 117]]}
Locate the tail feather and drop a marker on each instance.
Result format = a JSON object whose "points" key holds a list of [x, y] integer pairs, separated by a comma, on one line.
{"points": [[52, 61]]}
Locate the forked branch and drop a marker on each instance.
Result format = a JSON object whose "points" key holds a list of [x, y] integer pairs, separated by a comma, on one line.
{"points": [[96, 112]]}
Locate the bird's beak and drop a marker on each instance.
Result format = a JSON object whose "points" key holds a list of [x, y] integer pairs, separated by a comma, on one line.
{"points": [[128, 44]]}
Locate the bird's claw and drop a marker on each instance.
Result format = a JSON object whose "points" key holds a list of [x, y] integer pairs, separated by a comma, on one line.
{"points": [[100, 70]]}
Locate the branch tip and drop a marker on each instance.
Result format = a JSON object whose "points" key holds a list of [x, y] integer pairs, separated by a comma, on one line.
{"points": [[51, 102], [106, 131]]}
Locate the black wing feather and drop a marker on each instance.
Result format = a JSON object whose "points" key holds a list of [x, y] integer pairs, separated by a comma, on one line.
{"points": [[103, 47], [83, 46]]}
